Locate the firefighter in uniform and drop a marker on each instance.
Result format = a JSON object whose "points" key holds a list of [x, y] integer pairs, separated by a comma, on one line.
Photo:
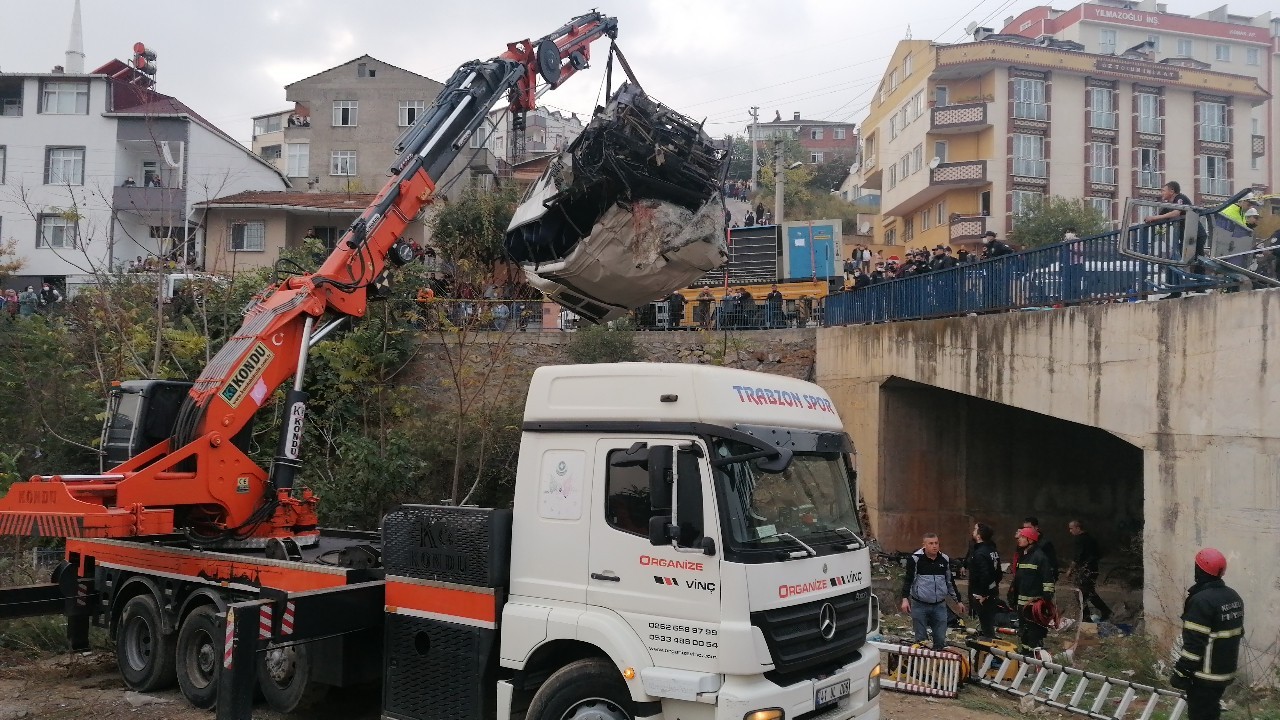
{"points": [[1032, 590], [1212, 626]]}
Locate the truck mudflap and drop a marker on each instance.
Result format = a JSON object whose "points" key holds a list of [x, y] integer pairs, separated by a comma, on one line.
{"points": [[844, 694]]}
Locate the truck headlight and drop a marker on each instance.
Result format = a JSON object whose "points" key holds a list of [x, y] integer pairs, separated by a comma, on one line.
{"points": [[873, 682], [770, 714]]}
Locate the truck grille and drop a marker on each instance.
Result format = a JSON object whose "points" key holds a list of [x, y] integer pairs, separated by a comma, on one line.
{"points": [[795, 640]]}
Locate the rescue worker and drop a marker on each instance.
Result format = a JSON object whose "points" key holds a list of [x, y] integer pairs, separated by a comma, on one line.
{"points": [[1032, 590], [1236, 211], [925, 589], [984, 579], [1212, 626], [1045, 545]]}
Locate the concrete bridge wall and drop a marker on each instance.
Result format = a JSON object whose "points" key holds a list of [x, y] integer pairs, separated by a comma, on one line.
{"points": [[1185, 381]]}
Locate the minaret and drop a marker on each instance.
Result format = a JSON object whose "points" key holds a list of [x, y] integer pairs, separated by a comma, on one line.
{"points": [[75, 47]]}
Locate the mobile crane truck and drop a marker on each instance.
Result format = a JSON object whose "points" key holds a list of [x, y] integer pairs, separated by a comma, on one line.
{"points": [[684, 541]]}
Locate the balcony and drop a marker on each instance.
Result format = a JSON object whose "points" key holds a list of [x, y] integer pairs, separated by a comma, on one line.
{"points": [[872, 173], [967, 228], [149, 200], [961, 118], [969, 173], [1259, 146]]}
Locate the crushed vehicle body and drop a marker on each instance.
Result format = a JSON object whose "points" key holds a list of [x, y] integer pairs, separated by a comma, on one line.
{"points": [[629, 212]]}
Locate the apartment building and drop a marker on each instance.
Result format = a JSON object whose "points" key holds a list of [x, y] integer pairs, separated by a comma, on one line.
{"points": [[546, 131], [1218, 40], [823, 140], [97, 169], [340, 133], [960, 138]]}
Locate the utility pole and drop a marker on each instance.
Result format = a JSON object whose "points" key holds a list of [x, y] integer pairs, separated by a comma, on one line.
{"points": [[779, 181], [755, 168]]}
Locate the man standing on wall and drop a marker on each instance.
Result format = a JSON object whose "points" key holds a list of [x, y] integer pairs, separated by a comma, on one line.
{"points": [[925, 589]]}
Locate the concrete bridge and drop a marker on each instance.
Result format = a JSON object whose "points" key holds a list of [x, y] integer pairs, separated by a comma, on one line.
{"points": [[1153, 420]]}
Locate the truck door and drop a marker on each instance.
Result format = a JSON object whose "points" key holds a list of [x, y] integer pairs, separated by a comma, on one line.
{"points": [[670, 597]]}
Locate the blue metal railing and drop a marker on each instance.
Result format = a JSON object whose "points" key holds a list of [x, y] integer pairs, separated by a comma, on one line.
{"points": [[1067, 273]]}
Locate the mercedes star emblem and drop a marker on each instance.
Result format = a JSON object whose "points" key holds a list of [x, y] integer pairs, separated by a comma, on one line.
{"points": [[827, 621]]}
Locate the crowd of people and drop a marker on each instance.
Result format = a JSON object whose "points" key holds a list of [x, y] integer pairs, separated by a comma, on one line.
{"points": [[757, 216], [29, 301], [1212, 619], [735, 309], [865, 267]]}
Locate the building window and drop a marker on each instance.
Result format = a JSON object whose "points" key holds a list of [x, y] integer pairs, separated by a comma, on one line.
{"points": [[893, 176], [1028, 156], [893, 126], [345, 113], [4, 156], [940, 150], [1102, 111], [815, 157], [65, 98], [1213, 122], [480, 138], [1025, 201], [1254, 123], [342, 162], [1149, 120], [1107, 42], [270, 152], [917, 158], [904, 167], [908, 230], [926, 220], [1186, 48], [1213, 175], [1102, 206], [1028, 99], [1222, 52], [942, 212], [264, 125], [1155, 42], [839, 133], [906, 65], [893, 79], [248, 236], [1102, 164], [410, 111], [298, 158], [1149, 168], [903, 119], [815, 133], [55, 231], [64, 166], [941, 97], [1252, 56], [916, 106], [890, 237]]}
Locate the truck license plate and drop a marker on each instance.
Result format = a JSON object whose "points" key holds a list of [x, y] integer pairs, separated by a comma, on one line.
{"points": [[826, 695]]}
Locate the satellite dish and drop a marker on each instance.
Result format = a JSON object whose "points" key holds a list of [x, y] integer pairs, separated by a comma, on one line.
{"points": [[968, 29], [934, 163], [864, 228]]}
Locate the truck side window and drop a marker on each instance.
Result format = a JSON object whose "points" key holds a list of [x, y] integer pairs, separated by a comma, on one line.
{"points": [[627, 497]]}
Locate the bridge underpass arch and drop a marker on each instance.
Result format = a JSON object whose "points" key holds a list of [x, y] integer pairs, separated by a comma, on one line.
{"points": [[947, 460]]}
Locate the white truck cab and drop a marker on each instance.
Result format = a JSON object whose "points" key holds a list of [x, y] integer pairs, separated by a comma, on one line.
{"points": [[697, 526]]}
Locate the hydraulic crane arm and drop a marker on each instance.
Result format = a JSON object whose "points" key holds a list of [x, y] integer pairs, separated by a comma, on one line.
{"points": [[201, 479]]}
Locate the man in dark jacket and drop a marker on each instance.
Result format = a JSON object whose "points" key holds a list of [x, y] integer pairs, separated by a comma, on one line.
{"points": [[925, 589], [1031, 589], [1085, 569], [1212, 626], [1046, 545], [984, 578], [994, 248]]}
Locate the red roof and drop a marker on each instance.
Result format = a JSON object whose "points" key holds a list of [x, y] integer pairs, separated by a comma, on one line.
{"points": [[353, 202]]}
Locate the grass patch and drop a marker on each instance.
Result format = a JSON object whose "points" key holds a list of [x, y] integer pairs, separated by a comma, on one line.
{"points": [[979, 699], [1135, 658]]}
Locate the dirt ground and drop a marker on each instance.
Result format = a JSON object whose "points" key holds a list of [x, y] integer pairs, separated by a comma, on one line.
{"points": [[82, 686]]}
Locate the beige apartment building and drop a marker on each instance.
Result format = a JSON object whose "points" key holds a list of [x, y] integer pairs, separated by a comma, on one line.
{"points": [[961, 137]]}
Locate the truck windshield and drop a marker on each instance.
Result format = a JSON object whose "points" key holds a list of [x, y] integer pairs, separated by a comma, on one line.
{"points": [[812, 500]]}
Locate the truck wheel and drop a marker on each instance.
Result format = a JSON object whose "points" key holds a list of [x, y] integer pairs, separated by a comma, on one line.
{"points": [[144, 653], [199, 657], [284, 675], [589, 689]]}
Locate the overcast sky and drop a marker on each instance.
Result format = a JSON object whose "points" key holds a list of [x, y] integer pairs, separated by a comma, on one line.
{"points": [[712, 59]]}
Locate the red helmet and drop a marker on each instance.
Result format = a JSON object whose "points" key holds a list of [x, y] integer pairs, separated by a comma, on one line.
{"points": [[1031, 534], [1211, 561]]}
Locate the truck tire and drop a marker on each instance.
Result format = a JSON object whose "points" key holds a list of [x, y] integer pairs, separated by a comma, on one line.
{"points": [[144, 653], [284, 676], [589, 689], [199, 657]]}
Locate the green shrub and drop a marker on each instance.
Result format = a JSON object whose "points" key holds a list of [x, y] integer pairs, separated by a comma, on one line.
{"points": [[604, 344]]}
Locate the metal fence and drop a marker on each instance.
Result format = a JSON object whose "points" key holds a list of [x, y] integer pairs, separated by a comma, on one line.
{"points": [[729, 315], [1089, 269]]}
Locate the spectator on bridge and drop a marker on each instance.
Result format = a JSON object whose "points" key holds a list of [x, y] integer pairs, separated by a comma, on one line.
{"points": [[773, 308], [675, 309], [926, 587], [941, 260], [729, 309], [994, 247], [861, 279], [850, 266], [984, 579], [1046, 545], [877, 275], [1031, 590], [1171, 194], [750, 220], [760, 211], [703, 312], [1084, 570]]}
